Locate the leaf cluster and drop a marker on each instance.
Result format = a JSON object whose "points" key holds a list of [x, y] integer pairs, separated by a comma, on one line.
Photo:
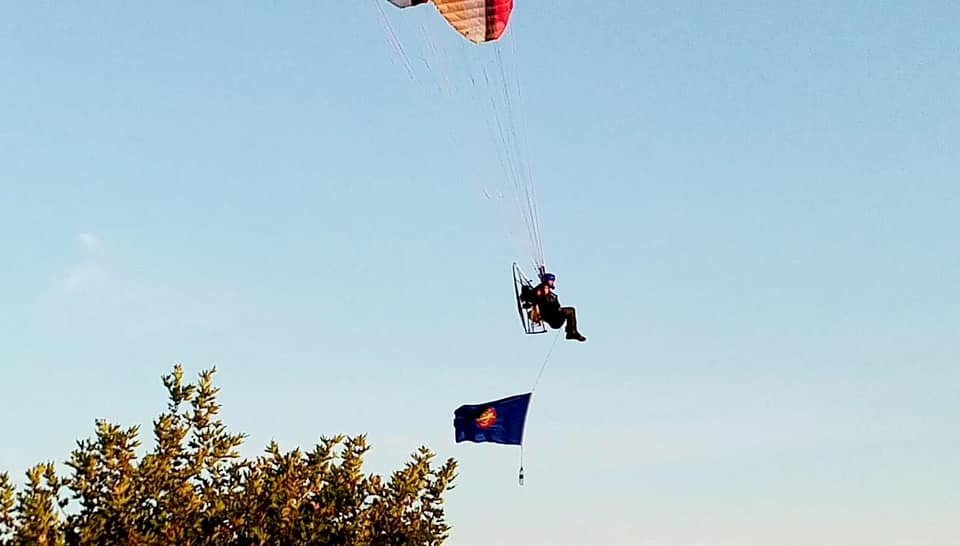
{"points": [[194, 489]]}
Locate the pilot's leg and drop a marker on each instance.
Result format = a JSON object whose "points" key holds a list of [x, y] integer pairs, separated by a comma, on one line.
{"points": [[570, 315]]}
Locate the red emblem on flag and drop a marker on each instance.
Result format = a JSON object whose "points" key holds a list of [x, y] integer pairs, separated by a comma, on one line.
{"points": [[487, 419]]}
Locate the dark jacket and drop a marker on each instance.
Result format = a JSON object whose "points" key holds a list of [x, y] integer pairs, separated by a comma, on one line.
{"points": [[548, 303]]}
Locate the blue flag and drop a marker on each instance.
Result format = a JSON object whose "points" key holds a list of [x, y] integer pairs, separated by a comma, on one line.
{"points": [[500, 421]]}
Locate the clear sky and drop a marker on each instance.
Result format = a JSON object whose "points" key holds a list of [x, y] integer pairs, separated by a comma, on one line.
{"points": [[754, 207]]}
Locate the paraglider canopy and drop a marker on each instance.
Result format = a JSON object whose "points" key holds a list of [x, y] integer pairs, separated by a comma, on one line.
{"points": [[477, 20]]}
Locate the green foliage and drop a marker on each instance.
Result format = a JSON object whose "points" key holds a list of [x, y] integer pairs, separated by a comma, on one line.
{"points": [[194, 489], [36, 521]]}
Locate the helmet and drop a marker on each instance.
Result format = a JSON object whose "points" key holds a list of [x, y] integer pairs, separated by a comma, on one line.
{"points": [[548, 277]]}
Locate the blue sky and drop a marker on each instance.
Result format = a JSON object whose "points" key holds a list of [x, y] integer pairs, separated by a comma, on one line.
{"points": [[754, 208]]}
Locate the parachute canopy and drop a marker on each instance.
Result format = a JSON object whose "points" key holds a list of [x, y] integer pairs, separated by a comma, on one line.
{"points": [[477, 20]]}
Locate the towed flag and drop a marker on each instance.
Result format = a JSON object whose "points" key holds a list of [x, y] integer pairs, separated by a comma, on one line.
{"points": [[499, 422]]}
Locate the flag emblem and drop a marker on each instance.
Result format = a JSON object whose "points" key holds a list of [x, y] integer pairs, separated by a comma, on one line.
{"points": [[487, 419]]}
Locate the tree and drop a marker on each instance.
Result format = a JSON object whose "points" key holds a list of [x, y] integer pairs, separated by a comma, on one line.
{"points": [[194, 489]]}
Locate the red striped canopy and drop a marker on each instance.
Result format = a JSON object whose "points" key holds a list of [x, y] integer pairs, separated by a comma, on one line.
{"points": [[477, 20]]}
